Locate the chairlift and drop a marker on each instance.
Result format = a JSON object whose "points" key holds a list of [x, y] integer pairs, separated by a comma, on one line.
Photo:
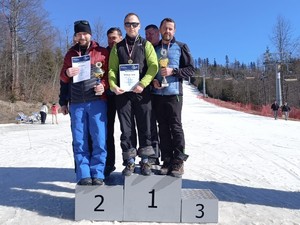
{"points": [[290, 77]]}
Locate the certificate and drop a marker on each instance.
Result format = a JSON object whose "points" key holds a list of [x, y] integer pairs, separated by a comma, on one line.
{"points": [[129, 76], [84, 63]]}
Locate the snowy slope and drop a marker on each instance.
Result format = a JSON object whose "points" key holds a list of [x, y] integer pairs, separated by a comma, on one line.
{"points": [[251, 163]]}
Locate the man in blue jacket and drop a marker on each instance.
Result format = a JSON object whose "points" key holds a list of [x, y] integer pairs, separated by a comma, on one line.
{"points": [[176, 64]]}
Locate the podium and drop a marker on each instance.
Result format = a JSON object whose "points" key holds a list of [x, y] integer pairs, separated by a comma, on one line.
{"points": [[152, 198], [103, 203], [139, 198]]}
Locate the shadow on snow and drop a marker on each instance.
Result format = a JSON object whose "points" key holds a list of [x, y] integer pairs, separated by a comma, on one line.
{"points": [[50, 191]]}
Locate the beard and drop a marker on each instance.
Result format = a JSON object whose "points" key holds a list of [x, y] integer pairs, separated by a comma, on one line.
{"points": [[83, 42], [167, 37]]}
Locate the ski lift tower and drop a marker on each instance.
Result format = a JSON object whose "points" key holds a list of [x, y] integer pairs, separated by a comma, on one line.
{"points": [[277, 59]]}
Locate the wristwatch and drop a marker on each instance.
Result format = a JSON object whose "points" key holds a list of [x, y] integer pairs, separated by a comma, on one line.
{"points": [[175, 71]]}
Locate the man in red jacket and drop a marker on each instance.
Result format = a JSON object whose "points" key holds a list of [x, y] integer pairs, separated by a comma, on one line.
{"points": [[82, 94]]}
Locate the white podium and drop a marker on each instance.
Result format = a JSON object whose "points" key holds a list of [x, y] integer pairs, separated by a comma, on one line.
{"points": [[99, 203], [199, 206], [139, 198], [152, 198]]}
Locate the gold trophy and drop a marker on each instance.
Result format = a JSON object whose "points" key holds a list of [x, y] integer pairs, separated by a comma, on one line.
{"points": [[163, 62], [98, 73]]}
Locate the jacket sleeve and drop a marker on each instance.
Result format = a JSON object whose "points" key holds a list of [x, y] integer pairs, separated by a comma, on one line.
{"points": [[64, 93], [113, 68], [104, 81], [152, 64], [64, 81], [186, 64]]}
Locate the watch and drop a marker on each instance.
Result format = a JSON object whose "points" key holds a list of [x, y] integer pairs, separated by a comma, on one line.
{"points": [[175, 71]]}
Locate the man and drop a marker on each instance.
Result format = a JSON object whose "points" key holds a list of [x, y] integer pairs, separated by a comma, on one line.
{"points": [[87, 110], [275, 108], [176, 64], [286, 110], [136, 55], [152, 35], [114, 35]]}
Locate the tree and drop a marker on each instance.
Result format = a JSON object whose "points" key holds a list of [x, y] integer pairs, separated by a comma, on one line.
{"points": [[25, 22], [282, 38]]}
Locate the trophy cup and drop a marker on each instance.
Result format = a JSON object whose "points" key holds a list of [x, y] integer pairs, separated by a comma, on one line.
{"points": [[98, 73], [163, 62]]}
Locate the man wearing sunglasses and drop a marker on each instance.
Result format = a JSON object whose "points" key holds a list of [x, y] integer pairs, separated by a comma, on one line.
{"points": [[134, 105], [88, 111], [176, 64]]}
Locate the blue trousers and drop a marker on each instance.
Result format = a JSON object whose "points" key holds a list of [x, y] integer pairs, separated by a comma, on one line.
{"points": [[88, 125]]}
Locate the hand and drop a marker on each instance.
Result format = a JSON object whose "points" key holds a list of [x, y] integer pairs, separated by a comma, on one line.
{"points": [[118, 91], [99, 89], [72, 71], [64, 110], [166, 71], [156, 84], [138, 89]]}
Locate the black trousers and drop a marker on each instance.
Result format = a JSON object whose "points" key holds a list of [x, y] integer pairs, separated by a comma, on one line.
{"points": [[43, 117], [110, 141], [134, 109], [171, 136]]}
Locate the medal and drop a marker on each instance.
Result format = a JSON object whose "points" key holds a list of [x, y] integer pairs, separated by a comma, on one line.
{"points": [[163, 52], [130, 61]]}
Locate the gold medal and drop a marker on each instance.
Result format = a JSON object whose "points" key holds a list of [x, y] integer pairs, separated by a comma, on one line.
{"points": [[130, 61]]}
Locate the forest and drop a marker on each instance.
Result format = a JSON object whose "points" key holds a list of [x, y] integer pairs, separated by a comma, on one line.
{"points": [[32, 52]]}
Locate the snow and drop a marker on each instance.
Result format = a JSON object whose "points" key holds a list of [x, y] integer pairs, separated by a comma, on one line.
{"points": [[251, 163]]}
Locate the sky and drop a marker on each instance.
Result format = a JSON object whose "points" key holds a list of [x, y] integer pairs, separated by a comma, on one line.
{"points": [[250, 163], [212, 29]]}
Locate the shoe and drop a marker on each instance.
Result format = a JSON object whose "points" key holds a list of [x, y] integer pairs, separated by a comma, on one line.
{"points": [[129, 169], [97, 181], [145, 168], [166, 167], [177, 168], [153, 161], [85, 181], [108, 170]]}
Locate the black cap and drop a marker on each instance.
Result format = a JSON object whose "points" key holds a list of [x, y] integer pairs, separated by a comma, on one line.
{"points": [[82, 26]]}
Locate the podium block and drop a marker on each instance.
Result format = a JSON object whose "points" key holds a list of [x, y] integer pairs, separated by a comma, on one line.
{"points": [[99, 203], [199, 206], [152, 198]]}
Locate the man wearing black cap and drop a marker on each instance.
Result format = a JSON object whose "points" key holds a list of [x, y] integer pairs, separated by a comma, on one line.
{"points": [[87, 109]]}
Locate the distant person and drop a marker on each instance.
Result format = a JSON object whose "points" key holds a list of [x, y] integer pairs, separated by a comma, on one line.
{"points": [[286, 110], [44, 112], [152, 35], [275, 108], [82, 93], [114, 35], [136, 54], [54, 112], [176, 64]]}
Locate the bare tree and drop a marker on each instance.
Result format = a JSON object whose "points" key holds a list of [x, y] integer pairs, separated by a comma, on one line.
{"points": [[99, 32], [282, 38], [26, 24]]}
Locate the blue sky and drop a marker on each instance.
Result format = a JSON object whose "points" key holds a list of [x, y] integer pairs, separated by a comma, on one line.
{"points": [[212, 29]]}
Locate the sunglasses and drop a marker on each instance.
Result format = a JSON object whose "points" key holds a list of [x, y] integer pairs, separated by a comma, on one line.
{"points": [[84, 22], [134, 24]]}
